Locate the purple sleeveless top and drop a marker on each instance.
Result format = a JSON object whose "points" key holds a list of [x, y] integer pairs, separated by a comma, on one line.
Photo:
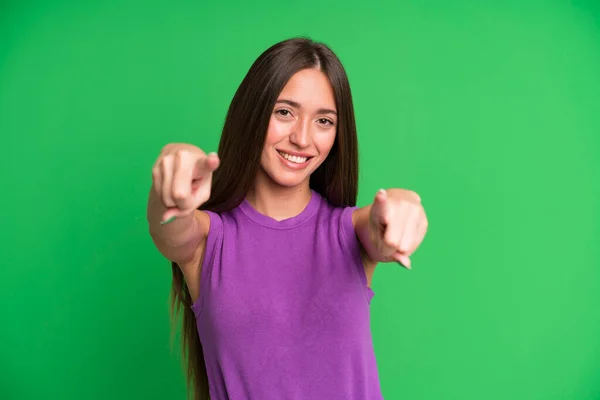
{"points": [[283, 311]]}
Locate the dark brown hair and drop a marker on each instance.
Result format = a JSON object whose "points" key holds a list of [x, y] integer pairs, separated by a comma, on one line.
{"points": [[240, 149]]}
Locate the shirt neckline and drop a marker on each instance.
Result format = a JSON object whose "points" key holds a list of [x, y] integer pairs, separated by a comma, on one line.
{"points": [[264, 220]]}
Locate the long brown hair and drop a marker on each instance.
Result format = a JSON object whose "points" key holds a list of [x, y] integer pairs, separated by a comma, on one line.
{"points": [[240, 149]]}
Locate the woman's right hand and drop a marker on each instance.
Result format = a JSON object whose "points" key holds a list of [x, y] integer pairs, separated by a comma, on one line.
{"points": [[181, 178]]}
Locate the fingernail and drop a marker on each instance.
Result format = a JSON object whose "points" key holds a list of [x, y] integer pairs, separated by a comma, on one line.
{"points": [[168, 221], [212, 154], [402, 265]]}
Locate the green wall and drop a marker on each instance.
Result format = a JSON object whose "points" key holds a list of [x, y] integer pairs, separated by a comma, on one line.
{"points": [[491, 112]]}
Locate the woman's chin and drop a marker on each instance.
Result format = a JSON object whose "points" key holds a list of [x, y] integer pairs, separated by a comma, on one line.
{"points": [[290, 180], [290, 183]]}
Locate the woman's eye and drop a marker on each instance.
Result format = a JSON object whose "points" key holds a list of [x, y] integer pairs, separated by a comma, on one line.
{"points": [[283, 113], [325, 121]]}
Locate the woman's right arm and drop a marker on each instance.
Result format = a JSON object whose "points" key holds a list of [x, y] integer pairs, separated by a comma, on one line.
{"points": [[179, 240], [181, 179]]}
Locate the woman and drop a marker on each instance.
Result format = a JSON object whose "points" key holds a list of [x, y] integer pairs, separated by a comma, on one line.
{"points": [[272, 260]]}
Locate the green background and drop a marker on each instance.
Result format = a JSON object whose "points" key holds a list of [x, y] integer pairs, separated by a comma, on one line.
{"points": [[490, 111]]}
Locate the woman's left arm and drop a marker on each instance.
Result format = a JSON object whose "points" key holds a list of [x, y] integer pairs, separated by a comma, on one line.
{"points": [[391, 228]]}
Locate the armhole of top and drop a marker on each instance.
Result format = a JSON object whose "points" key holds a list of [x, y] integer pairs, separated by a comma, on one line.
{"points": [[215, 233], [352, 245]]}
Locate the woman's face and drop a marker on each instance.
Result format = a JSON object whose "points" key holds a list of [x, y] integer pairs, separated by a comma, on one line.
{"points": [[302, 129]]}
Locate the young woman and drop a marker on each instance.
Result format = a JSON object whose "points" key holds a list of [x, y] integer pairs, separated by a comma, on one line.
{"points": [[272, 260]]}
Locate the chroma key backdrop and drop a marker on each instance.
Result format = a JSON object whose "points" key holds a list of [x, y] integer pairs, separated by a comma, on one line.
{"points": [[489, 110]]}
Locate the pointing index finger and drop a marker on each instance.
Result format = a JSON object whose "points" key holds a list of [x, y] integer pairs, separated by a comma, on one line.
{"points": [[206, 165]]}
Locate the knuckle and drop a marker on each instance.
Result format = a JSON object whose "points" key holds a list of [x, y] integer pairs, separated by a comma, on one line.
{"points": [[182, 155], [166, 160], [412, 195], [416, 197], [179, 195], [389, 243]]}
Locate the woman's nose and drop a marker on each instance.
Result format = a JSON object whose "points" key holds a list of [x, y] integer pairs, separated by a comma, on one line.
{"points": [[300, 135]]}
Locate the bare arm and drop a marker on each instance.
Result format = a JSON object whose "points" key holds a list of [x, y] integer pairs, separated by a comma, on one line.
{"points": [[181, 239]]}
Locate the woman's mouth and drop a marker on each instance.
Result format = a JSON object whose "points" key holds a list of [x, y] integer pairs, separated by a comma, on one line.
{"points": [[292, 158]]}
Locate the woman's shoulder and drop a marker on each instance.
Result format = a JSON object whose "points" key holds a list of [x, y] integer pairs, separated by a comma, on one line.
{"points": [[338, 217], [336, 211]]}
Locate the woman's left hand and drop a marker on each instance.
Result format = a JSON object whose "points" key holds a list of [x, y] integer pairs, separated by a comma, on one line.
{"points": [[397, 223]]}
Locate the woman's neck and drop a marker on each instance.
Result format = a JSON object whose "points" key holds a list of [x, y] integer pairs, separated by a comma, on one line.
{"points": [[279, 202]]}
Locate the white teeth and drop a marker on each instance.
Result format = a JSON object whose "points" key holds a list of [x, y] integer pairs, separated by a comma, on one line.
{"points": [[294, 159]]}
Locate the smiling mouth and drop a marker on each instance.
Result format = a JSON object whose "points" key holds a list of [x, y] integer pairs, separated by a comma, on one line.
{"points": [[294, 159]]}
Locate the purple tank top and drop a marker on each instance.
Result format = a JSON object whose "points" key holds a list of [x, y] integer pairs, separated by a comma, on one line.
{"points": [[283, 311]]}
